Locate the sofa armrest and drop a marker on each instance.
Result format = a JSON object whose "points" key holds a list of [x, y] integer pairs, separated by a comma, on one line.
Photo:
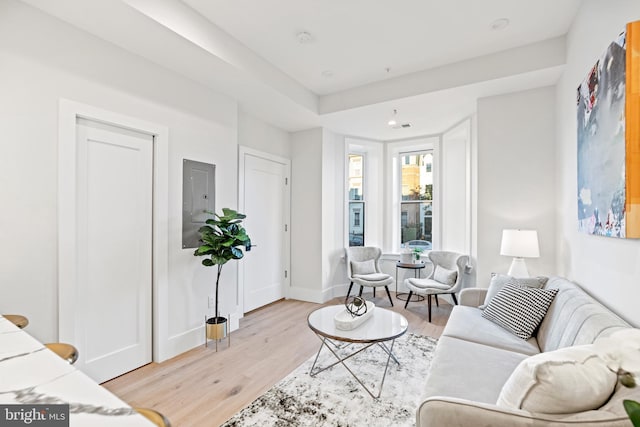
{"points": [[473, 297], [451, 412]]}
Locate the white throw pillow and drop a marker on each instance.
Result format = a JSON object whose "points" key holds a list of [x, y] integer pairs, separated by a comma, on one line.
{"points": [[363, 267], [445, 276], [499, 280], [564, 381]]}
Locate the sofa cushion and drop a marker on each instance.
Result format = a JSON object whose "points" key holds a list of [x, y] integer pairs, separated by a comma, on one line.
{"points": [[519, 308], [571, 379], [468, 324], [468, 370], [574, 318], [499, 280], [373, 277]]}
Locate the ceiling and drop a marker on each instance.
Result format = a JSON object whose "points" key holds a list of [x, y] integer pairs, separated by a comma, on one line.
{"points": [[429, 59], [357, 40]]}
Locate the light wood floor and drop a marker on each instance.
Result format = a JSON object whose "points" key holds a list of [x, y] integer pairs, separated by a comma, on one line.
{"points": [[202, 388]]}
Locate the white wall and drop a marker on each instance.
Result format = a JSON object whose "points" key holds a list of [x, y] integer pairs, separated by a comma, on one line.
{"points": [[259, 135], [43, 60], [515, 177], [608, 268], [306, 215]]}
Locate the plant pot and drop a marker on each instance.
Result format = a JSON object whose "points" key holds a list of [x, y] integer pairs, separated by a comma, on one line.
{"points": [[217, 328]]}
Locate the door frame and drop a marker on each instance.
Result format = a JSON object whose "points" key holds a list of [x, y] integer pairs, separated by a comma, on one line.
{"points": [[242, 152], [69, 111]]}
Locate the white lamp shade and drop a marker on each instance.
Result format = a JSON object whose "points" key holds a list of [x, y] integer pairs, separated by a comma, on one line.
{"points": [[520, 243]]}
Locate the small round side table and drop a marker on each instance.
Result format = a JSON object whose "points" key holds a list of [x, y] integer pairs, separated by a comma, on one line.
{"points": [[402, 296]]}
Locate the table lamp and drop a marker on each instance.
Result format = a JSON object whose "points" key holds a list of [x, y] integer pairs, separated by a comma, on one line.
{"points": [[519, 244]]}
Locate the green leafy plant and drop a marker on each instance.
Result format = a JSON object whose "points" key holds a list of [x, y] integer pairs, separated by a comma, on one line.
{"points": [[221, 238], [633, 410], [417, 252]]}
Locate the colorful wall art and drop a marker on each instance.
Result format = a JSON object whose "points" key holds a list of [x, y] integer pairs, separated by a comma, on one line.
{"points": [[609, 140]]}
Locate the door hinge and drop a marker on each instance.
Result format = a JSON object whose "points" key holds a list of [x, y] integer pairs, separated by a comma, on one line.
{"points": [[285, 274], [286, 227], [286, 181]]}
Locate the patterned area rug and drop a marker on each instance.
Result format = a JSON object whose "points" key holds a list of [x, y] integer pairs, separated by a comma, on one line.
{"points": [[334, 397]]}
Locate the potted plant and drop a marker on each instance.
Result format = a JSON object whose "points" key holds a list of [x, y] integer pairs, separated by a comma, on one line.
{"points": [[221, 239], [417, 253]]}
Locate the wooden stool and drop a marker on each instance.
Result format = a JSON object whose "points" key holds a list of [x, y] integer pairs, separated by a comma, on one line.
{"points": [[18, 320], [154, 416], [66, 351]]}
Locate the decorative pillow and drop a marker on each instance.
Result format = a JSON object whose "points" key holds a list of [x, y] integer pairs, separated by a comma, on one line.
{"points": [[442, 275], [363, 267], [568, 380], [499, 280], [519, 308]]}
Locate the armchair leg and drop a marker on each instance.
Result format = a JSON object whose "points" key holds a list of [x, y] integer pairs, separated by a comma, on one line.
{"points": [[429, 307], [349, 291], [360, 293], [437, 305], [388, 294], [454, 299], [374, 292], [408, 299]]}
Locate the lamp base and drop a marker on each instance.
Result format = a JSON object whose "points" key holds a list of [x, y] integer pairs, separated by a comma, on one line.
{"points": [[518, 268]]}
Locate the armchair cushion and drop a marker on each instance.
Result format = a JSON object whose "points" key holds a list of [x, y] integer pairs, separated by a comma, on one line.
{"points": [[363, 267], [444, 275], [418, 285], [373, 277], [571, 379], [519, 308]]}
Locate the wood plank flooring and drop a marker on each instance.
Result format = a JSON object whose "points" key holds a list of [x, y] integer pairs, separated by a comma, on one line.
{"points": [[202, 388]]}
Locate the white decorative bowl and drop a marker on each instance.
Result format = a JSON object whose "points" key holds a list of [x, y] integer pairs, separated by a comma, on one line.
{"points": [[345, 322]]}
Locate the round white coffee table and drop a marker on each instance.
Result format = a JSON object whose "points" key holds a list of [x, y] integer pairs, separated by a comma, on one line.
{"points": [[383, 326]]}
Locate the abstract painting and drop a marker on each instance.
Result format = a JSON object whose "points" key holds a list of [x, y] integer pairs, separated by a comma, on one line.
{"points": [[609, 141]]}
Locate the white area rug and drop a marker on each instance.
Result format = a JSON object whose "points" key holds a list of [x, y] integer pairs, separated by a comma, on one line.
{"points": [[334, 397]]}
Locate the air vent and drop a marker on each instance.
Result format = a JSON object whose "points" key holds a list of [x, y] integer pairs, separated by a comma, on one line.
{"points": [[401, 126]]}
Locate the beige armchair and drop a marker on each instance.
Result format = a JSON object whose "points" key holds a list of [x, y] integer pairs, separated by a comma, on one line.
{"points": [[363, 269], [445, 278]]}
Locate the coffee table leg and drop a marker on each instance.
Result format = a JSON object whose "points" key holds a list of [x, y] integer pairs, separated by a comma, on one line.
{"points": [[341, 360], [388, 351]]}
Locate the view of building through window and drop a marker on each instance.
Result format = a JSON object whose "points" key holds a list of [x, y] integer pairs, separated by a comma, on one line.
{"points": [[416, 206], [356, 200]]}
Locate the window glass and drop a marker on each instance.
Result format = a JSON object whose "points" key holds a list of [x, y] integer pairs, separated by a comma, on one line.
{"points": [[416, 206], [356, 200]]}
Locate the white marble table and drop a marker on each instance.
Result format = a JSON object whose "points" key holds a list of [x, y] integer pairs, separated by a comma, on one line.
{"points": [[32, 374], [383, 326]]}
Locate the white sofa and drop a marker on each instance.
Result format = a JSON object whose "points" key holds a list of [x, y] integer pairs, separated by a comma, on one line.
{"points": [[475, 357]]}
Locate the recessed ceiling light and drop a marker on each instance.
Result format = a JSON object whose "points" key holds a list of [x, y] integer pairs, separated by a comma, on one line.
{"points": [[499, 24], [327, 73], [304, 37]]}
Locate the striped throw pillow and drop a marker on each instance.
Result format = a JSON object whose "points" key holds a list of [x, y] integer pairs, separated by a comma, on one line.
{"points": [[519, 308]]}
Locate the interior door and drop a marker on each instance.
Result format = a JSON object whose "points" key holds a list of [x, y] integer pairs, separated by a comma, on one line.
{"points": [[264, 274], [114, 232]]}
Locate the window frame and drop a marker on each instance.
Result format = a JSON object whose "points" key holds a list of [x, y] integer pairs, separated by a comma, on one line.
{"points": [[401, 155], [362, 200]]}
